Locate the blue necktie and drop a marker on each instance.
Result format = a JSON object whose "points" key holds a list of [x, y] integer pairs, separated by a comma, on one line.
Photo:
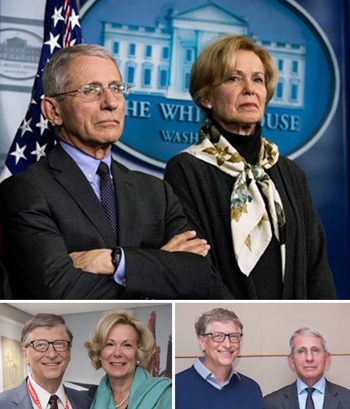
{"points": [[309, 401], [108, 201]]}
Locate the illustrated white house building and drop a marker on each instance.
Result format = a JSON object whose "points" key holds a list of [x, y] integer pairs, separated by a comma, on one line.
{"points": [[157, 60]]}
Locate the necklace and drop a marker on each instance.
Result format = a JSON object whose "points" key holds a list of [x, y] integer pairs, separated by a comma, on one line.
{"points": [[123, 401]]}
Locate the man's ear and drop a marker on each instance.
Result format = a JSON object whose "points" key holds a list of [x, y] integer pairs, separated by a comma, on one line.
{"points": [[291, 361], [25, 355], [201, 342], [328, 358], [51, 110]]}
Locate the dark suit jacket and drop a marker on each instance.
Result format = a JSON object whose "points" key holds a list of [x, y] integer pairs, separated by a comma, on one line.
{"points": [[336, 397], [50, 210], [19, 398], [5, 291]]}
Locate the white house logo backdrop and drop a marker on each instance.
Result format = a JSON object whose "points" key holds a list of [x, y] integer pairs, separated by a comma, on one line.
{"points": [[156, 42], [19, 54]]}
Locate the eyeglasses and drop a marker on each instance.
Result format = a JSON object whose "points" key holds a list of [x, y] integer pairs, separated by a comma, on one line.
{"points": [[314, 352], [234, 337], [93, 91], [41, 345]]}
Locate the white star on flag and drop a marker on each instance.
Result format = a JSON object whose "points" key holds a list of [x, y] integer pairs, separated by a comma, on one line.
{"points": [[43, 124], [53, 42], [18, 153], [39, 151], [25, 126], [57, 16], [74, 19], [61, 29]]}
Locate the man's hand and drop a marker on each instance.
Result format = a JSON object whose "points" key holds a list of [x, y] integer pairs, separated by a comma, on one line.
{"points": [[187, 242], [94, 261]]}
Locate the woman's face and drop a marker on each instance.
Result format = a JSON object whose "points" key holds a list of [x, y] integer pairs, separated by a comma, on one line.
{"points": [[239, 103], [118, 357]]}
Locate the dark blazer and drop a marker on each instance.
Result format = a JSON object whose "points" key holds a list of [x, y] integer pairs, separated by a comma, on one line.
{"points": [[336, 397], [50, 210], [205, 193], [5, 291], [19, 398]]}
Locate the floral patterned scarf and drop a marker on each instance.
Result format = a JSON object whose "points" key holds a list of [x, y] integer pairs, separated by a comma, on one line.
{"points": [[250, 223]]}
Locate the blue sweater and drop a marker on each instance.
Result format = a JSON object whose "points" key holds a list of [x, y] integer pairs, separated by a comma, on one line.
{"points": [[192, 392]]}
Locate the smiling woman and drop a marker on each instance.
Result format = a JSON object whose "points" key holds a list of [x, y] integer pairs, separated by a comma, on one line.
{"points": [[121, 344]]}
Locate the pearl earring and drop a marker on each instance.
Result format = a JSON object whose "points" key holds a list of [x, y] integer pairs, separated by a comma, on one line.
{"points": [[209, 106], [137, 362]]}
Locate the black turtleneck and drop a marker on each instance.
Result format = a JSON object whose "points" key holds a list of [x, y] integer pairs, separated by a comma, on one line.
{"points": [[248, 146]]}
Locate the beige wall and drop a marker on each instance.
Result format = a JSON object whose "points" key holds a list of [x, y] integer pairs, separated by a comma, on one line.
{"points": [[11, 324], [13, 313], [267, 329]]}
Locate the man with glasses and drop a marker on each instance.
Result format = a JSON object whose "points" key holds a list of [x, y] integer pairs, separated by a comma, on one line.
{"points": [[79, 225], [309, 357], [46, 342], [212, 382]]}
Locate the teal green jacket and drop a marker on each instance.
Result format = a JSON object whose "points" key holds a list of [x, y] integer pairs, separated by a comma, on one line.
{"points": [[146, 392]]}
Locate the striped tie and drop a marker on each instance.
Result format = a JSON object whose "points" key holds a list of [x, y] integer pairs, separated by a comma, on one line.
{"points": [[53, 402]]}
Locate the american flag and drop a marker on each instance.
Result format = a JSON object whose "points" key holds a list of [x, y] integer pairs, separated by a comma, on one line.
{"points": [[36, 136]]}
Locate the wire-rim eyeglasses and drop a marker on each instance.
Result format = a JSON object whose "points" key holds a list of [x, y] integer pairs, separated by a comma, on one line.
{"points": [[92, 92]]}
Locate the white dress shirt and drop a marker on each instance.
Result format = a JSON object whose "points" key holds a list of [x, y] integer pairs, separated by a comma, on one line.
{"points": [[44, 396]]}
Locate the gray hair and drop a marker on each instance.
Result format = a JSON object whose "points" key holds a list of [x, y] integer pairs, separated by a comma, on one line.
{"points": [[44, 320], [309, 332], [56, 77], [217, 314]]}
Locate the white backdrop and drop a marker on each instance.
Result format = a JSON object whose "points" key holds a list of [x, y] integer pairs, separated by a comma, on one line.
{"points": [[267, 329]]}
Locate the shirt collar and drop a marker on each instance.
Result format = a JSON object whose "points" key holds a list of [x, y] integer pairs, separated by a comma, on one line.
{"points": [[320, 386], [44, 396], [87, 164], [206, 374]]}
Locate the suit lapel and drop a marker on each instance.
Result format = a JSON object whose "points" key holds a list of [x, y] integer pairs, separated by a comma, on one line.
{"points": [[74, 404], [126, 203], [291, 397], [70, 177], [331, 399], [22, 398]]}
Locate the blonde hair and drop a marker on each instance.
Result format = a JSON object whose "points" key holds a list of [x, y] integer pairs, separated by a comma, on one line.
{"points": [[145, 340], [217, 61]]}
